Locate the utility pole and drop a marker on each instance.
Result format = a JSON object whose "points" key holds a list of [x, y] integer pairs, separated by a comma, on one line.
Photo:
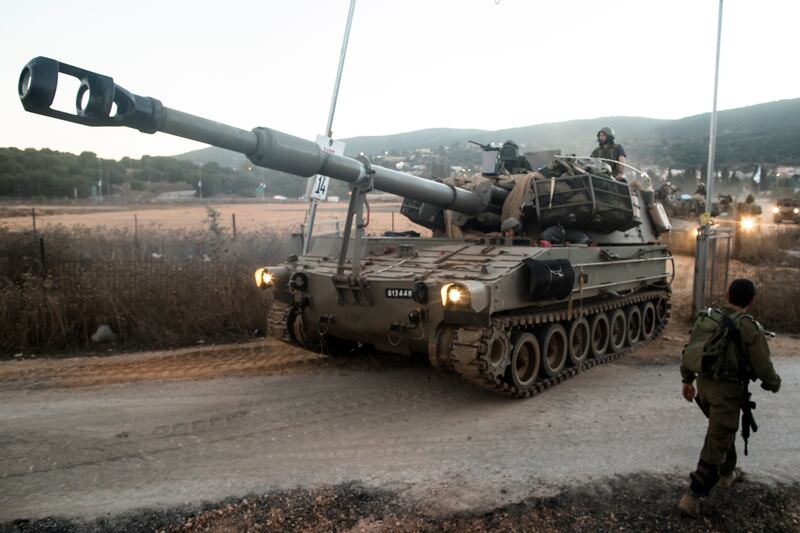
{"points": [[704, 234], [312, 209]]}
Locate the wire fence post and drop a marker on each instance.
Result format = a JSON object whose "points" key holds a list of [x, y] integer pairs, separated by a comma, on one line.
{"points": [[136, 236], [42, 257], [33, 218], [392, 220], [233, 224]]}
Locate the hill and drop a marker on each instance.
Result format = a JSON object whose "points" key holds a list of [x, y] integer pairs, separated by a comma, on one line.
{"points": [[768, 133]]}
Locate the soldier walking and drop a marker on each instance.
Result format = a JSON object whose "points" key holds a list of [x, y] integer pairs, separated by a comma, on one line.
{"points": [[608, 149], [722, 392]]}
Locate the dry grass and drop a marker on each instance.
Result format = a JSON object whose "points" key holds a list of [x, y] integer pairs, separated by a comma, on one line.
{"points": [[197, 287]]}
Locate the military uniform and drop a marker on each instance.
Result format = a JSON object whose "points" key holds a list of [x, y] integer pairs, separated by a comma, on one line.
{"points": [[611, 151], [721, 400]]}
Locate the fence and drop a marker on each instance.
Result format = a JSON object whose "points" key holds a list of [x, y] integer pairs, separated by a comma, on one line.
{"points": [[154, 289], [146, 304], [777, 302]]}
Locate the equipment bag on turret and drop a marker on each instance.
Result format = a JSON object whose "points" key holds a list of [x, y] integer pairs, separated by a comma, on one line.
{"points": [[707, 349]]}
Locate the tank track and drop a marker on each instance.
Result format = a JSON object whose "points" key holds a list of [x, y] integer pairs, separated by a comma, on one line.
{"points": [[469, 347]]}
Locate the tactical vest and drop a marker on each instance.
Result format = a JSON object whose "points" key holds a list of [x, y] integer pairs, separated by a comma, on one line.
{"points": [[609, 152]]}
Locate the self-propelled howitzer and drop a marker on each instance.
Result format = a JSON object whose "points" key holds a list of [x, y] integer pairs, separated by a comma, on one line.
{"points": [[529, 277]]}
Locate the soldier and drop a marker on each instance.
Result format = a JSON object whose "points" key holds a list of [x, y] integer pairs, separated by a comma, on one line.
{"points": [[722, 396], [511, 228], [609, 150], [512, 162]]}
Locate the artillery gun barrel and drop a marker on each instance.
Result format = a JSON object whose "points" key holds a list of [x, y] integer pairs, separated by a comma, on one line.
{"points": [[100, 102]]}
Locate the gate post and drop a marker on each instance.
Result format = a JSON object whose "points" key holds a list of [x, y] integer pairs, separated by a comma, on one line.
{"points": [[700, 267]]}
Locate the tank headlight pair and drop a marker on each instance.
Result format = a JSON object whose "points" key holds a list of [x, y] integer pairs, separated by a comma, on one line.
{"points": [[264, 278]]}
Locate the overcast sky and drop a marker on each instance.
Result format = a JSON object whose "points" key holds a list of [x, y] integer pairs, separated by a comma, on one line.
{"points": [[411, 64]]}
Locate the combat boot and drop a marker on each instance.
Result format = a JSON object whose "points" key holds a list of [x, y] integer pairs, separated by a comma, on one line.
{"points": [[689, 505], [728, 480]]}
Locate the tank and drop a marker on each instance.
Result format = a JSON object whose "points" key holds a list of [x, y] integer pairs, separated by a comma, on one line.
{"points": [[529, 277]]}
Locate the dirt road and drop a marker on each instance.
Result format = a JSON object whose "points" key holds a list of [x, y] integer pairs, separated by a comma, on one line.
{"points": [[90, 437]]}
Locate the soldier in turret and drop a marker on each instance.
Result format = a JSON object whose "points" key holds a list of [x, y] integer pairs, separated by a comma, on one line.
{"points": [[608, 149]]}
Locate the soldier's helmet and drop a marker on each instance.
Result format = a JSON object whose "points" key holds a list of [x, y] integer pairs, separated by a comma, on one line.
{"points": [[509, 151], [511, 224], [609, 131]]}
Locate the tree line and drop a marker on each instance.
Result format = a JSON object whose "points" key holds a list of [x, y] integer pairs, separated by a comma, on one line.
{"points": [[48, 173]]}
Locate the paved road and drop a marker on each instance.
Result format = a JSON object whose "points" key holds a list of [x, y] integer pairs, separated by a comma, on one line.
{"points": [[88, 451]]}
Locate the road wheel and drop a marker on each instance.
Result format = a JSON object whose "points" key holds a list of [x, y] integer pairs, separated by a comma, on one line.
{"points": [[579, 340], [648, 321], [498, 353], [661, 310], [600, 334], [633, 316], [617, 330], [553, 344], [525, 361]]}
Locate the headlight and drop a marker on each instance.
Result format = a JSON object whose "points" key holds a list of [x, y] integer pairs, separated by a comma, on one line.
{"points": [[778, 210], [748, 223], [455, 294], [263, 278], [467, 294], [796, 210]]}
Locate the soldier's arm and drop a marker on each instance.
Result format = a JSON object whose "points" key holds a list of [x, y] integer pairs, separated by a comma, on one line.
{"points": [[755, 342], [621, 155], [620, 168]]}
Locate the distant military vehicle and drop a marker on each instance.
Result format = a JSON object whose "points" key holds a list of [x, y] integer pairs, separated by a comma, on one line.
{"points": [[786, 210], [529, 277]]}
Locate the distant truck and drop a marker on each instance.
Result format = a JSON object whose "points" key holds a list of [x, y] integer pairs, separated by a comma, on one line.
{"points": [[787, 210]]}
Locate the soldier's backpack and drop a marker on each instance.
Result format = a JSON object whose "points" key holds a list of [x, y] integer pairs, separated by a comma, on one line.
{"points": [[709, 339]]}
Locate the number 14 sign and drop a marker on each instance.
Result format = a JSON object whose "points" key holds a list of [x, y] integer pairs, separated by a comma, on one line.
{"points": [[319, 190]]}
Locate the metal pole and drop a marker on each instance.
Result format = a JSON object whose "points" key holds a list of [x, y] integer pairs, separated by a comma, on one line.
{"points": [[312, 209], [704, 232], [712, 136], [33, 217]]}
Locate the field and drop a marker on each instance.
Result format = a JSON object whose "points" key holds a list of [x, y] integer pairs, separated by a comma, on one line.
{"points": [[249, 216]]}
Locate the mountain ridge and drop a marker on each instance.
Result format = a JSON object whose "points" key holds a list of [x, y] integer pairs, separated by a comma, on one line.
{"points": [[766, 132]]}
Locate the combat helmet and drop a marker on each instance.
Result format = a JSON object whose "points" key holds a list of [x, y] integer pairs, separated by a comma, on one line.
{"points": [[609, 131]]}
